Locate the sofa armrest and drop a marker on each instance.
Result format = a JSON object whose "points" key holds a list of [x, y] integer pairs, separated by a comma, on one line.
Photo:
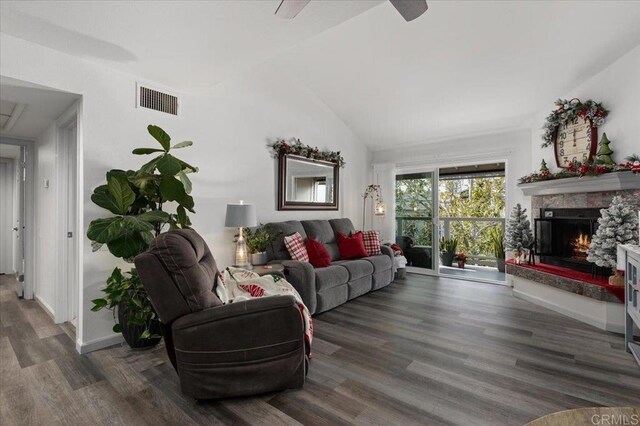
{"points": [[388, 251], [302, 277], [240, 327]]}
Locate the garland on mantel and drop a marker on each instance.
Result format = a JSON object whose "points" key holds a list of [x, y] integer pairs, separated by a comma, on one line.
{"points": [[568, 110], [578, 169], [298, 148]]}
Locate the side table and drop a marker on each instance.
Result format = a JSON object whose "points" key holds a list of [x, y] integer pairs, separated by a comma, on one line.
{"points": [[273, 269]]}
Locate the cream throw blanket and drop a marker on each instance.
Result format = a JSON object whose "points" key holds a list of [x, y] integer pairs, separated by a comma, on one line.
{"points": [[236, 284]]}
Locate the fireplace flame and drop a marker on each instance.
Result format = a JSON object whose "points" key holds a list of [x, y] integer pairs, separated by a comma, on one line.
{"points": [[581, 245]]}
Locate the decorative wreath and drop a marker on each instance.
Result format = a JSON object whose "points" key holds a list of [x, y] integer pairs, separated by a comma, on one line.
{"points": [[298, 148], [568, 110]]}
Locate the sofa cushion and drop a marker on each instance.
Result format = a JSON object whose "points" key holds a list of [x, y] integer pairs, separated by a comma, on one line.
{"points": [[319, 257], [322, 231], [331, 276], [351, 247], [343, 225], [380, 262], [357, 268], [277, 250], [296, 247]]}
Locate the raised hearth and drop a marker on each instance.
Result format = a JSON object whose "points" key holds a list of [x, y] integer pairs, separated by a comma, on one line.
{"points": [[569, 280]]}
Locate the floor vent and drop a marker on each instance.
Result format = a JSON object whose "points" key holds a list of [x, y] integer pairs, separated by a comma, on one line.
{"points": [[157, 100]]}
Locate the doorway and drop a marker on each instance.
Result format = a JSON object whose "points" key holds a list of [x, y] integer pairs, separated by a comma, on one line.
{"points": [[44, 124], [449, 220]]}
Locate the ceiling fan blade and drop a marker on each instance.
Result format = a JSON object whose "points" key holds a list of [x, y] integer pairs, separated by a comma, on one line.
{"points": [[410, 9], [288, 9]]}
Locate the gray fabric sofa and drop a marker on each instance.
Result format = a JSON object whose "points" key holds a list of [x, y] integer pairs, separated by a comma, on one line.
{"points": [[322, 289]]}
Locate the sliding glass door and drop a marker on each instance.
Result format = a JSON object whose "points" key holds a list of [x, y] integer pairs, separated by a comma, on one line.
{"points": [[416, 216]]}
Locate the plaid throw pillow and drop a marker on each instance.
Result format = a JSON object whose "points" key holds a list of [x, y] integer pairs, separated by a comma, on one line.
{"points": [[295, 246], [372, 242]]}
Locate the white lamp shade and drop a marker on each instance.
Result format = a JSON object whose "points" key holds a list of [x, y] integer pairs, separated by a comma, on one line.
{"points": [[241, 216]]}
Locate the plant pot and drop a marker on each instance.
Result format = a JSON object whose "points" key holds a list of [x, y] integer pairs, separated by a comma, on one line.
{"points": [[259, 258], [461, 264], [446, 258], [500, 264], [132, 332]]}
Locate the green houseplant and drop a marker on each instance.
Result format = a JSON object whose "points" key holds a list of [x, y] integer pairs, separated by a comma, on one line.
{"points": [[258, 239], [137, 200], [448, 247], [496, 238]]}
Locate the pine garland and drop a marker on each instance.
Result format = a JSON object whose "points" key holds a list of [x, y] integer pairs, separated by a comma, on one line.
{"points": [[298, 148], [617, 225], [568, 110]]}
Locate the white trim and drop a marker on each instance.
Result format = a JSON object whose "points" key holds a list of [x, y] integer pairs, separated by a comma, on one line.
{"points": [[45, 306], [100, 343], [66, 284]]}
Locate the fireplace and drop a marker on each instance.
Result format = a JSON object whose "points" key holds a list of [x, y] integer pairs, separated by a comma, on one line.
{"points": [[563, 236]]}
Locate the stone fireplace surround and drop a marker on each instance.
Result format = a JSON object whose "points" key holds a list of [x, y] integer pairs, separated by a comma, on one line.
{"points": [[575, 299]]}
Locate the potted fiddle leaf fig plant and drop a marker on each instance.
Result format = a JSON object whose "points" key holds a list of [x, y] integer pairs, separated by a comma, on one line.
{"points": [[137, 201]]}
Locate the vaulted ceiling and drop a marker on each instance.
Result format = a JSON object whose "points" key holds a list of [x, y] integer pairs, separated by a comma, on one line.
{"points": [[462, 68]]}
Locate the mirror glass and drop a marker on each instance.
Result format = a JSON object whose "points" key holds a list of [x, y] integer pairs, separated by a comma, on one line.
{"points": [[307, 184]]}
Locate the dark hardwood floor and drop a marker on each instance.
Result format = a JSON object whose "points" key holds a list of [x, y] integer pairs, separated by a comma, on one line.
{"points": [[421, 351]]}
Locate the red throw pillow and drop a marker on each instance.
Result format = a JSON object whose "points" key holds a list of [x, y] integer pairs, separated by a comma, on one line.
{"points": [[351, 247], [319, 256]]}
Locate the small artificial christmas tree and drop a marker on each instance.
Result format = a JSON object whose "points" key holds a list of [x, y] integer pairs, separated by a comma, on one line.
{"points": [[617, 225], [603, 156], [517, 236]]}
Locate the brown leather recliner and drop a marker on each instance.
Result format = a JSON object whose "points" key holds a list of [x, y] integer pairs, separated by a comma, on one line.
{"points": [[238, 349]]}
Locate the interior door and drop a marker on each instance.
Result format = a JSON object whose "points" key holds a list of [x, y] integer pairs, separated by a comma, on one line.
{"points": [[72, 254], [20, 222], [416, 216], [6, 215]]}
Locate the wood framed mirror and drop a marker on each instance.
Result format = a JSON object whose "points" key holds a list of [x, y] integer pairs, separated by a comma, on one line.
{"points": [[307, 184]]}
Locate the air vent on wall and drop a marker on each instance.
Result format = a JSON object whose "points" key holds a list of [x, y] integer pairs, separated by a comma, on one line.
{"points": [[157, 100]]}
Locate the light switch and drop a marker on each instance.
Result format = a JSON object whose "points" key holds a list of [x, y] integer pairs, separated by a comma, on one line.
{"points": [[45, 183]]}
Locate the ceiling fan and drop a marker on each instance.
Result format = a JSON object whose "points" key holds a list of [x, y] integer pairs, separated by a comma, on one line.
{"points": [[409, 9]]}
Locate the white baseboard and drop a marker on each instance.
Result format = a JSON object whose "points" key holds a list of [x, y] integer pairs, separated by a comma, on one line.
{"points": [[603, 315], [101, 343], [45, 306]]}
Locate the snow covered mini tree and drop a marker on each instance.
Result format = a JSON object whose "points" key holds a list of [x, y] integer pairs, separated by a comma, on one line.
{"points": [[518, 237], [617, 225]]}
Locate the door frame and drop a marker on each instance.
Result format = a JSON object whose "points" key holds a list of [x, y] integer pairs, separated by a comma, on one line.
{"points": [[27, 214], [435, 218], [68, 256]]}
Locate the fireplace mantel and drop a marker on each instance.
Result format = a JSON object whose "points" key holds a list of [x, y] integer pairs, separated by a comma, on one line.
{"points": [[616, 181]]}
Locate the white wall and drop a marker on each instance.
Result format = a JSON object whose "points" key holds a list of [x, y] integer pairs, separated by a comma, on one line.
{"points": [[230, 127], [45, 210], [511, 147], [618, 88]]}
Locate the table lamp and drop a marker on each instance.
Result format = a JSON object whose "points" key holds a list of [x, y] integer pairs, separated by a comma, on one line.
{"points": [[241, 216]]}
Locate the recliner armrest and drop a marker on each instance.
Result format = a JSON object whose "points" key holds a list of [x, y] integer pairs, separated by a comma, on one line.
{"points": [[302, 277], [240, 327]]}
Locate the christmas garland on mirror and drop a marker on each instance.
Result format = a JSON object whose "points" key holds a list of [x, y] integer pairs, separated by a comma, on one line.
{"points": [[298, 148], [568, 110]]}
